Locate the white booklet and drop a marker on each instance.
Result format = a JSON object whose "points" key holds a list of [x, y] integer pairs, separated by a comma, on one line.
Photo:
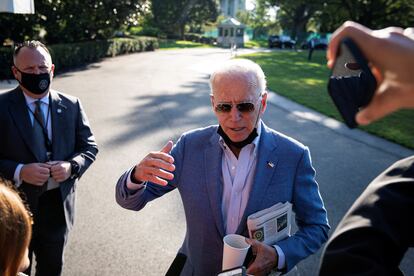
{"points": [[272, 224]]}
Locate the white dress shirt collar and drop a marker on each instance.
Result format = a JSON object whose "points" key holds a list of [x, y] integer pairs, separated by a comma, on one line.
{"points": [[30, 100]]}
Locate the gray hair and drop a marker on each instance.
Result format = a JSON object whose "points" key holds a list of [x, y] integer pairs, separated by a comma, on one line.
{"points": [[254, 73]]}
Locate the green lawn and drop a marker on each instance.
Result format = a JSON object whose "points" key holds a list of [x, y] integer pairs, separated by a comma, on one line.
{"points": [[262, 43], [178, 44], [291, 75]]}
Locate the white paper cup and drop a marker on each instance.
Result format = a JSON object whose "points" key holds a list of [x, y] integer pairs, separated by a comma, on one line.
{"points": [[234, 250]]}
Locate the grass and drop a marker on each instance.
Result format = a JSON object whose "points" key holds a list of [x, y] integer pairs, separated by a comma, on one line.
{"points": [[291, 75], [179, 44], [262, 43]]}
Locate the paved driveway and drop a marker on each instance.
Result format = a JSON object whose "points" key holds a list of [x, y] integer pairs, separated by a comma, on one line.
{"points": [[137, 102]]}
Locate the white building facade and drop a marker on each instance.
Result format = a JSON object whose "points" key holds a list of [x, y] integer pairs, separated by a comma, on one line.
{"points": [[230, 8]]}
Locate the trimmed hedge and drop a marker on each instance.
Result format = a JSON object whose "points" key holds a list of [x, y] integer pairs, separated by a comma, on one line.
{"points": [[120, 46], [6, 61], [66, 56], [71, 55], [200, 38]]}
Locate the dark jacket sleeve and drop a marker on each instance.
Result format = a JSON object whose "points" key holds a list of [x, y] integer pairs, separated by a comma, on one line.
{"points": [[374, 235], [86, 148]]}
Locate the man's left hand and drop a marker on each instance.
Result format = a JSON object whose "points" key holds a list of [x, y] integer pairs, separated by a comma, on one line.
{"points": [[60, 170], [266, 258]]}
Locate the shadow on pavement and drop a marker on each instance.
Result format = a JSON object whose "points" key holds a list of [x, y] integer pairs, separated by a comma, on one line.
{"points": [[153, 113]]}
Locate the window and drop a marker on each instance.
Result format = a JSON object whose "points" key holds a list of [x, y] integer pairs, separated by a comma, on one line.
{"points": [[239, 32]]}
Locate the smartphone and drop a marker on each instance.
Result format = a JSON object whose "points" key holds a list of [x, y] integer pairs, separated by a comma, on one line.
{"points": [[249, 257], [351, 84], [237, 271]]}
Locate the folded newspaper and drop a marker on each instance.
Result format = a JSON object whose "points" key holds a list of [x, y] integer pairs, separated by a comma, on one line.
{"points": [[272, 224]]}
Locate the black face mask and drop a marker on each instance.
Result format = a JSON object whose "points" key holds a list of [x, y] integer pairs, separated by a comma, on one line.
{"points": [[35, 83], [240, 144]]}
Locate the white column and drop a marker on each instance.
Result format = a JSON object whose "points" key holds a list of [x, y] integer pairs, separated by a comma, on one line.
{"points": [[17, 6], [242, 6], [226, 7]]}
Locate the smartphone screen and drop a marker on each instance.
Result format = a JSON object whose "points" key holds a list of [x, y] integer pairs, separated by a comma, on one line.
{"points": [[351, 84]]}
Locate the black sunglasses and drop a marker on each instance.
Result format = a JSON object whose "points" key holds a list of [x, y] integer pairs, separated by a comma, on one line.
{"points": [[242, 107]]}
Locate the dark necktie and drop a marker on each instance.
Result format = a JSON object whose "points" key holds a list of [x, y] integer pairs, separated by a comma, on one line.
{"points": [[38, 132]]}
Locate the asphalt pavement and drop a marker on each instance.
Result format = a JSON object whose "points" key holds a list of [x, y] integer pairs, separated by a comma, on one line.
{"points": [[135, 104]]}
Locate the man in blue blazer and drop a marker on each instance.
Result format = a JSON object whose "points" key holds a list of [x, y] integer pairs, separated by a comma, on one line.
{"points": [[225, 173], [46, 144]]}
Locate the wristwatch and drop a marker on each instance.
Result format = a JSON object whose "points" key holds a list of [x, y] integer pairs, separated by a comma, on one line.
{"points": [[74, 171]]}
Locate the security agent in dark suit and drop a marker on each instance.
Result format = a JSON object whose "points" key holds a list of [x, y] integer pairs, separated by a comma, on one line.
{"points": [[377, 231], [46, 144], [374, 235]]}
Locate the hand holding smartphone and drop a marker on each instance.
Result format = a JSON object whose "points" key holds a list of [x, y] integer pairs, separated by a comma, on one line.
{"points": [[351, 84]]}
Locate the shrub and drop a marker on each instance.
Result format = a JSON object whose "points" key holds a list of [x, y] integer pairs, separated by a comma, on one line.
{"points": [[67, 56], [71, 55], [146, 31], [194, 37], [6, 61]]}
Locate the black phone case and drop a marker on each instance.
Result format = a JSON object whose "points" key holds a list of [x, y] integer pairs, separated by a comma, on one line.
{"points": [[249, 257], [349, 94]]}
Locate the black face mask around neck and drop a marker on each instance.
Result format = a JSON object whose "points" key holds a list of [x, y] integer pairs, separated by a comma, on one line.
{"points": [[35, 83], [240, 144]]}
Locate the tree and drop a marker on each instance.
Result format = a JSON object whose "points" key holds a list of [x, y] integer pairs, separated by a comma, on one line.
{"points": [[17, 27], [259, 19], [326, 16], [372, 13], [295, 15], [70, 20], [172, 16]]}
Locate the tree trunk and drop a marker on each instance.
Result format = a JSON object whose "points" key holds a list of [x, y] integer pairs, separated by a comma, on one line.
{"points": [[182, 20], [182, 31]]}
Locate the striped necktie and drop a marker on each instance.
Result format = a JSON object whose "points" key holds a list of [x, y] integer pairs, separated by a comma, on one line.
{"points": [[38, 132]]}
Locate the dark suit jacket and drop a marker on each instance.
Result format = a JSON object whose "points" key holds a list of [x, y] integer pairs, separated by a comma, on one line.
{"points": [[198, 178], [72, 139], [376, 232]]}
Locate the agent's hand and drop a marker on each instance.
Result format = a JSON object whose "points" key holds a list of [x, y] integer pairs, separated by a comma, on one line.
{"points": [[35, 173], [266, 258], [156, 167], [390, 51], [60, 170]]}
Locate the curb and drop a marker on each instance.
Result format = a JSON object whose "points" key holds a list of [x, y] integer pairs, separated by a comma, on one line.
{"points": [[338, 127]]}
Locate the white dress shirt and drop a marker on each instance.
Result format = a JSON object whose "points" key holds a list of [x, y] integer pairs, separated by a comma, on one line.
{"points": [[238, 175], [30, 102]]}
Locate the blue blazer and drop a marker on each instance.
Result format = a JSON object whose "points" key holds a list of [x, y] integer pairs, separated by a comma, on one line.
{"points": [[198, 178]]}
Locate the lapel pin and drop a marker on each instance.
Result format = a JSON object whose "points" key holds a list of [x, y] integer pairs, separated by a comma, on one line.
{"points": [[59, 110], [270, 164]]}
